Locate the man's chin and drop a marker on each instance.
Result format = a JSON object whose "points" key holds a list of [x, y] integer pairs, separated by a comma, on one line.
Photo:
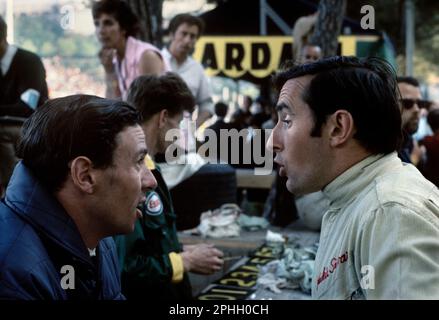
{"points": [[291, 188], [413, 129], [300, 190]]}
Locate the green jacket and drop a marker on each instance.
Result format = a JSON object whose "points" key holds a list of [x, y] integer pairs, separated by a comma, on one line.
{"points": [[147, 270]]}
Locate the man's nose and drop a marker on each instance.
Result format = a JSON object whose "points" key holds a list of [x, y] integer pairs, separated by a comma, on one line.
{"points": [[188, 39], [274, 143], [269, 145], [148, 180], [416, 107]]}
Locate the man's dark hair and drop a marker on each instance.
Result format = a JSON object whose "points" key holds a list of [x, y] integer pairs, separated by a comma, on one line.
{"points": [[365, 87], [221, 109], [189, 19], [121, 11], [151, 94], [3, 29], [409, 80], [433, 119], [65, 128]]}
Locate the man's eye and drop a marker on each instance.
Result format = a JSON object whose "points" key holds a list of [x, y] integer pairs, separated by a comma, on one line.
{"points": [[286, 122]]}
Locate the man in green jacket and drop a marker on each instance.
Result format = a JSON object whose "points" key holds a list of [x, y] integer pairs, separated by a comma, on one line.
{"points": [[154, 264]]}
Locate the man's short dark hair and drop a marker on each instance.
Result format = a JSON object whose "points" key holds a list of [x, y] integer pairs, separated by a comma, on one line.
{"points": [[409, 80], [65, 128], [189, 19], [433, 119], [3, 29], [365, 87], [152, 93], [121, 11], [221, 109]]}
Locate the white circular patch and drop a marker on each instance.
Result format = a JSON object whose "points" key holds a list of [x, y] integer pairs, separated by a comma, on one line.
{"points": [[153, 204]]}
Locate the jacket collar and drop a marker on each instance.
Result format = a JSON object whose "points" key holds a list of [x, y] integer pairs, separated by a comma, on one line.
{"points": [[30, 200], [350, 183]]}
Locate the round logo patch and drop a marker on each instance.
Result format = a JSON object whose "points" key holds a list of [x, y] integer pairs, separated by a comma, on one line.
{"points": [[153, 204]]}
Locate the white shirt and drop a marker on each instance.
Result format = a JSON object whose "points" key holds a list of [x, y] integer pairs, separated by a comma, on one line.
{"points": [[92, 252], [193, 74], [7, 58], [380, 236]]}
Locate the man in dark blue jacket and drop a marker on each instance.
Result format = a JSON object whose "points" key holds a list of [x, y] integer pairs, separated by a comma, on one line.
{"points": [[81, 178]]}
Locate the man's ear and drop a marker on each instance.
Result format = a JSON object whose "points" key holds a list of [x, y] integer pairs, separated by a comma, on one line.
{"points": [[83, 175], [163, 118], [340, 127]]}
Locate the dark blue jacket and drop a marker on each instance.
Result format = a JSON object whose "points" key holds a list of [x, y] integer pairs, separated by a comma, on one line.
{"points": [[38, 238]]}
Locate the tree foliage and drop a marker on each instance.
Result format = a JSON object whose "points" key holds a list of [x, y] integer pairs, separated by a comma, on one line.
{"points": [[42, 34]]}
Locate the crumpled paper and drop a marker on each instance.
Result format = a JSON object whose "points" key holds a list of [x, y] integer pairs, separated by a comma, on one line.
{"points": [[294, 270], [221, 222]]}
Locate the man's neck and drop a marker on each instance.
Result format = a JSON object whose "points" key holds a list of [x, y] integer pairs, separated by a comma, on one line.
{"points": [[87, 229], [179, 57], [343, 160]]}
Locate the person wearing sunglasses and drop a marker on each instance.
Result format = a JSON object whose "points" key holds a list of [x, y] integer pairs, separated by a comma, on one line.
{"points": [[411, 104]]}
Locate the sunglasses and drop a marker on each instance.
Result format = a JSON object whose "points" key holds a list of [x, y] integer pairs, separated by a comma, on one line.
{"points": [[409, 103]]}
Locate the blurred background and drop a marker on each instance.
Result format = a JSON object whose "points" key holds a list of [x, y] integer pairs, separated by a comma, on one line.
{"points": [[62, 33]]}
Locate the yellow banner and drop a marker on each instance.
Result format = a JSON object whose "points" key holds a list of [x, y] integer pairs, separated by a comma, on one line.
{"points": [[258, 55]]}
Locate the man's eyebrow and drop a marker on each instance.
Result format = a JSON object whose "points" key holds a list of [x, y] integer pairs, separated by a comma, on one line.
{"points": [[282, 106], [142, 152]]}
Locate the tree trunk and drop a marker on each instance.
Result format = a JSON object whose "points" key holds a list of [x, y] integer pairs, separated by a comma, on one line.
{"points": [[149, 13], [328, 26]]}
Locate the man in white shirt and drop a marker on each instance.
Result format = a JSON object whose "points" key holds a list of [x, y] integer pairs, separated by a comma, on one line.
{"points": [[185, 30], [338, 131]]}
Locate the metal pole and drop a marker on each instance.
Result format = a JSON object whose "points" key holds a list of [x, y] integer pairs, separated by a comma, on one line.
{"points": [[10, 20], [262, 18], [409, 36]]}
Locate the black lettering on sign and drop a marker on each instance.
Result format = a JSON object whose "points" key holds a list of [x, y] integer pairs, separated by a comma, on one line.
{"points": [[286, 53], [260, 49], [234, 56], [209, 57]]}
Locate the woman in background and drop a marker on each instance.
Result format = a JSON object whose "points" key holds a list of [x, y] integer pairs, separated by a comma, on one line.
{"points": [[123, 57]]}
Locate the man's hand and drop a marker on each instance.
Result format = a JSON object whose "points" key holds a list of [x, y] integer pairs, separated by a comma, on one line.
{"points": [[189, 247], [202, 259]]}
